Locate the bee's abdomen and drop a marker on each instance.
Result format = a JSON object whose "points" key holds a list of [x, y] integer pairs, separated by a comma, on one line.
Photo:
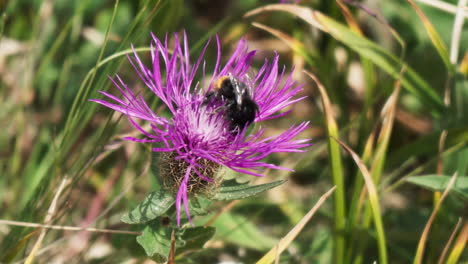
{"points": [[241, 116]]}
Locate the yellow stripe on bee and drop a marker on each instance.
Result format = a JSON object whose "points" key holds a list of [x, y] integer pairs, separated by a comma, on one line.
{"points": [[219, 82]]}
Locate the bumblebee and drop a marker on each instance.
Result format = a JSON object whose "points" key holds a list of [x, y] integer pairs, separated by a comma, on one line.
{"points": [[235, 97]]}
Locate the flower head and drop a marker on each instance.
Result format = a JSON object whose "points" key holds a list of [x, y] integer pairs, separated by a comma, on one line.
{"points": [[199, 138]]}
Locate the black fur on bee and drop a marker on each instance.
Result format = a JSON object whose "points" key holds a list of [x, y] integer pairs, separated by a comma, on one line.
{"points": [[240, 108]]}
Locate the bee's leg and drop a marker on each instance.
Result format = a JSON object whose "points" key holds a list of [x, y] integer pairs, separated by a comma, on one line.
{"points": [[209, 97], [214, 106], [219, 109]]}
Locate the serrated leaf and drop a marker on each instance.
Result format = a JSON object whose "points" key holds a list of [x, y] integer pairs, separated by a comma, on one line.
{"points": [[231, 190], [440, 182], [154, 205], [196, 237], [156, 241]]}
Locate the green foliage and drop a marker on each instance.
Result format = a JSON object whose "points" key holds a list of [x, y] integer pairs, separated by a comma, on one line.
{"points": [[231, 190], [239, 230], [155, 204], [156, 240], [321, 248], [158, 207], [440, 182], [194, 238]]}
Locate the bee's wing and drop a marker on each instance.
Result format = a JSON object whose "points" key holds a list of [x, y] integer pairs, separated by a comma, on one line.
{"points": [[250, 78], [239, 89]]}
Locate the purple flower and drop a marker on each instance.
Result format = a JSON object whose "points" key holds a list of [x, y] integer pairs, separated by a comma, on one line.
{"points": [[198, 135]]}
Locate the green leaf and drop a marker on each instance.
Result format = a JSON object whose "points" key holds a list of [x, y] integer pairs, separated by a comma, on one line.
{"points": [[241, 231], [440, 182], [425, 145], [231, 190], [156, 240], [195, 238], [198, 205], [155, 204]]}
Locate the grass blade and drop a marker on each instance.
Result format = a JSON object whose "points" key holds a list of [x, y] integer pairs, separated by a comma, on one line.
{"points": [[294, 44], [434, 36], [366, 48], [357, 199], [460, 244], [374, 203], [337, 172], [48, 218], [457, 31], [422, 241], [388, 118], [449, 242], [286, 241]]}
